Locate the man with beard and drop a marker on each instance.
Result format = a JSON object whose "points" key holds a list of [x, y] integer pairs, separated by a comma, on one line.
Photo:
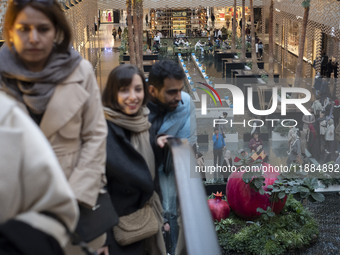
{"points": [[172, 112]]}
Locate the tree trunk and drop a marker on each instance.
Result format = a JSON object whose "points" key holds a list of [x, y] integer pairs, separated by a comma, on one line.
{"points": [[139, 62], [299, 64], [271, 42], [130, 34], [253, 50], [243, 34], [140, 30], [233, 46]]}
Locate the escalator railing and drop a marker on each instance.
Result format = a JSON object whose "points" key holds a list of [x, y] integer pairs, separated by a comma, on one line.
{"points": [[199, 231]]}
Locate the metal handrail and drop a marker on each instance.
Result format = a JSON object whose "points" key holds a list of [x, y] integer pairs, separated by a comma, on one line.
{"points": [[199, 231]]}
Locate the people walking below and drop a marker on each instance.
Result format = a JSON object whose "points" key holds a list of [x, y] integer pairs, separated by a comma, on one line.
{"points": [[58, 89], [260, 48], [130, 165], [309, 119], [147, 19], [329, 138], [324, 62], [212, 20], [32, 186], [256, 147], [257, 49], [218, 146], [304, 135], [119, 33], [200, 46], [114, 33], [324, 90], [228, 163], [336, 112], [294, 153], [317, 84], [322, 122], [317, 107], [172, 112], [255, 144], [313, 142]]}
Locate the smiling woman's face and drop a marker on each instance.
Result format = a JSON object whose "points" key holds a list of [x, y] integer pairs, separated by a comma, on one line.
{"points": [[130, 98], [32, 35]]}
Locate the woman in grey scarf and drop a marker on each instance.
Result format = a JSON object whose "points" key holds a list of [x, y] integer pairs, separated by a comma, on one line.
{"points": [[130, 164], [58, 89]]}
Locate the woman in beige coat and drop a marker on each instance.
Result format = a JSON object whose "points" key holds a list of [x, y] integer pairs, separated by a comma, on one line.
{"points": [[59, 91], [31, 182]]}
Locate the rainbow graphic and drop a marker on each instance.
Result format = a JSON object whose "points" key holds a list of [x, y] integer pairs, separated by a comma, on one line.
{"points": [[209, 93]]}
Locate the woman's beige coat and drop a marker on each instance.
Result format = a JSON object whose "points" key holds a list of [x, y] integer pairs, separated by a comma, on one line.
{"points": [[31, 180], [75, 126]]}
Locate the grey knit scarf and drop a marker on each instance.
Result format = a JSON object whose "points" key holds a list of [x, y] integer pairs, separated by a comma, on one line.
{"points": [[139, 126], [35, 89]]}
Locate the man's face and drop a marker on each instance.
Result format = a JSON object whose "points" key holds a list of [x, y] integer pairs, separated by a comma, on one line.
{"points": [[169, 95]]}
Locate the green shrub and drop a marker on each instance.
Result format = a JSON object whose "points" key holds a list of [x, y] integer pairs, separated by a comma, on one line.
{"points": [[293, 229]]}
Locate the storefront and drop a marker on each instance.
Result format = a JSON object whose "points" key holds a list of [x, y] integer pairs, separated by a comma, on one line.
{"points": [[178, 22], [293, 37], [106, 16], [224, 16]]}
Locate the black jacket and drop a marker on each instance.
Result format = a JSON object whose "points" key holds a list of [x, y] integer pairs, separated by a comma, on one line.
{"points": [[129, 180], [19, 238]]}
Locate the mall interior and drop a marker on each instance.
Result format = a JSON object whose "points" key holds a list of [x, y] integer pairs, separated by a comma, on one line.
{"points": [[94, 20]]}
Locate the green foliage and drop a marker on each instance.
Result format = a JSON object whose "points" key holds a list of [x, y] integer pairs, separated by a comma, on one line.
{"points": [[264, 77], [123, 47], [249, 64], [305, 3], [238, 42], [293, 229], [248, 46], [330, 181], [266, 214], [295, 183], [247, 161], [255, 179], [330, 177]]}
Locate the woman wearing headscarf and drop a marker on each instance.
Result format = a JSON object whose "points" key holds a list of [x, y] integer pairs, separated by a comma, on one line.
{"points": [[58, 89]]}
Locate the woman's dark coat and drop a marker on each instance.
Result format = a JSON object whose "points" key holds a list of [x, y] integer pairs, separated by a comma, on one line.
{"points": [[129, 181]]}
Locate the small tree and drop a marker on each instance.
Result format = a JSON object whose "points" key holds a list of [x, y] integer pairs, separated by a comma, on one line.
{"points": [[302, 39], [253, 50], [136, 34], [130, 33], [243, 34], [233, 41], [140, 32], [271, 42]]}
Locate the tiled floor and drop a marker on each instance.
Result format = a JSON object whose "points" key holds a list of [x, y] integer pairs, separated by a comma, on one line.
{"points": [[109, 57]]}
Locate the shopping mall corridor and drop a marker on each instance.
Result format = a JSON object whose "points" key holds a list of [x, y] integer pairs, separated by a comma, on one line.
{"points": [[109, 58], [109, 53]]}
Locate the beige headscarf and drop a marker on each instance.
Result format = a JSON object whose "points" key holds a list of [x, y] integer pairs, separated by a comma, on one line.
{"points": [[139, 127]]}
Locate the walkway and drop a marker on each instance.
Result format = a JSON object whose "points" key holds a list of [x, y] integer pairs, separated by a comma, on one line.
{"points": [[109, 56]]}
